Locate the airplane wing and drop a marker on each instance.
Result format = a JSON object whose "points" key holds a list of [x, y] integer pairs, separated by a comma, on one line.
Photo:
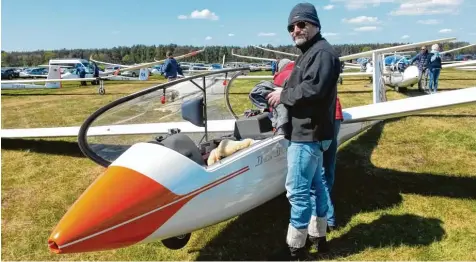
{"points": [[106, 63], [462, 64], [467, 68], [410, 106], [456, 49], [252, 57], [275, 51], [378, 111], [363, 54], [142, 113], [151, 64]]}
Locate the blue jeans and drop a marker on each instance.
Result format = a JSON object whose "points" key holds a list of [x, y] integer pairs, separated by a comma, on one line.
{"points": [[434, 75], [329, 166], [304, 185]]}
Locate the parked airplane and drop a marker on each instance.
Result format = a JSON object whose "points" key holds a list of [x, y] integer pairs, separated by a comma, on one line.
{"points": [[54, 80], [165, 200], [397, 73], [130, 68], [392, 79]]}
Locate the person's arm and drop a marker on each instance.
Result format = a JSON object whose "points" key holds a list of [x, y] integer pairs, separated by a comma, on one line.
{"points": [[318, 77], [165, 67], [414, 58]]}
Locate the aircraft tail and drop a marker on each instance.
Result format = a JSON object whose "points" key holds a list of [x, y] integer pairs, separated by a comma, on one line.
{"points": [[378, 85], [54, 73], [144, 74]]}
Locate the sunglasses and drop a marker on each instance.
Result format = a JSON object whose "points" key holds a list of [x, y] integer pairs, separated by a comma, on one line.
{"points": [[300, 24]]}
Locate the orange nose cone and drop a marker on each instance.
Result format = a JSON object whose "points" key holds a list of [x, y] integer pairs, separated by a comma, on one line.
{"points": [[122, 207]]}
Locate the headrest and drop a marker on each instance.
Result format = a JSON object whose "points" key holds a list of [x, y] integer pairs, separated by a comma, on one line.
{"points": [[192, 111]]}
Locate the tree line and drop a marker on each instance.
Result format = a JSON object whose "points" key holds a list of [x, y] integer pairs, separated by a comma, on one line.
{"points": [[212, 54]]}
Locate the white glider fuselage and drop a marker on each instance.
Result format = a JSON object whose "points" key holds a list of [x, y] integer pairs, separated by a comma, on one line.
{"points": [[175, 196]]}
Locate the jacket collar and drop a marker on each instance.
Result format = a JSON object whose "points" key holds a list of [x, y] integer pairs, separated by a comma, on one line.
{"points": [[304, 47]]}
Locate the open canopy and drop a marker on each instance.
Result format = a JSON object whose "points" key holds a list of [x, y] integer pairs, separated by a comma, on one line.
{"points": [[184, 104]]}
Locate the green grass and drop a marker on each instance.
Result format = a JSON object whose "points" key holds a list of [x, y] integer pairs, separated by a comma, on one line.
{"points": [[404, 190]]}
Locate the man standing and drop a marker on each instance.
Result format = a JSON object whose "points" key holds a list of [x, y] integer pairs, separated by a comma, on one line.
{"points": [[170, 69], [422, 61], [310, 97]]}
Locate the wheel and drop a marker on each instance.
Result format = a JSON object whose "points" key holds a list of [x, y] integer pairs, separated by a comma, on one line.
{"points": [[177, 242], [134, 74], [102, 91], [340, 80]]}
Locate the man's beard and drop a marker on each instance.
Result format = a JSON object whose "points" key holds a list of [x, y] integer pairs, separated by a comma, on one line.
{"points": [[300, 40]]}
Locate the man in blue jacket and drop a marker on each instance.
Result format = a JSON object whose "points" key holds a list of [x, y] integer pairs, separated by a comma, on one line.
{"points": [[171, 69], [422, 59]]}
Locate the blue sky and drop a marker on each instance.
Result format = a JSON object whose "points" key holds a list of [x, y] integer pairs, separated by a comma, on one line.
{"points": [[55, 24]]}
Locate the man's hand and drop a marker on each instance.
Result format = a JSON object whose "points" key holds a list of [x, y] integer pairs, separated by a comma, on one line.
{"points": [[274, 98]]}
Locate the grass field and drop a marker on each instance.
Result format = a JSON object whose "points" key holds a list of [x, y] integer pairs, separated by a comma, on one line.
{"points": [[404, 190]]}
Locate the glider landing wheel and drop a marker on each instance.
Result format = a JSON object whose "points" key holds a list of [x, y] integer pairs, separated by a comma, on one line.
{"points": [[177, 242], [102, 91], [340, 80]]}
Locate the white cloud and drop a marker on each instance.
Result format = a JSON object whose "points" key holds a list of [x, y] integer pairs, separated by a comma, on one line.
{"points": [[204, 14], [361, 20], [429, 22], [427, 7], [446, 30], [328, 7], [405, 36], [366, 28], [208, 38], [231, 34], [361, 4], [266, 34], [329, 34]]}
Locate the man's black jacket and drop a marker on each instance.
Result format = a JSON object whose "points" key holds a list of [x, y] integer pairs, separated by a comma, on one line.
{"points": [[310, 93]]}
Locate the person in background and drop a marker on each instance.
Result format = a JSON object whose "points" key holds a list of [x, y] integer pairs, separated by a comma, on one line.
{"points": [[274, 66], [329, 166], [435, 68], [82, 73], [171, 69], [422, 61], [284, 69]]}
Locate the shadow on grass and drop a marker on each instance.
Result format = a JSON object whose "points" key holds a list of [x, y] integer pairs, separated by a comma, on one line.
{"points": [[387, 231], [43, 146], [359, 187]]}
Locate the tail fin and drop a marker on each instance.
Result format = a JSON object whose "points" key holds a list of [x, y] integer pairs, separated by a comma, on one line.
{"points": [[53, 73], [379, 90], [144, 74]]}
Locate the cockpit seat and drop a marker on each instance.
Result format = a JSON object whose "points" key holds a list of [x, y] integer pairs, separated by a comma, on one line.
{"points": [[184, 145]]}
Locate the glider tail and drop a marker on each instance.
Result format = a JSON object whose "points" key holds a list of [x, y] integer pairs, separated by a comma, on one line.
{"points": [[53, 73]]}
